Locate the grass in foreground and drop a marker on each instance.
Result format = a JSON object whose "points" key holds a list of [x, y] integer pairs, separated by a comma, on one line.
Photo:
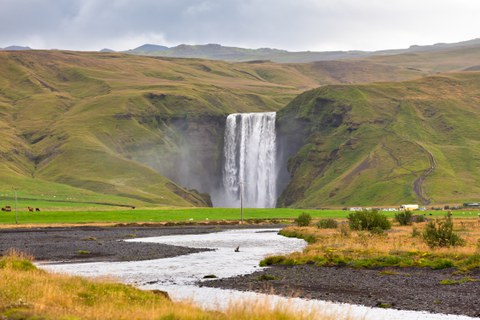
{"points": [[30, 293], [402, 246]]}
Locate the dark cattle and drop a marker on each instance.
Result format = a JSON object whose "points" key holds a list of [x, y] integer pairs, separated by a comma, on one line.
{"points": [[30, 209], [3, 209], [37, 209]]}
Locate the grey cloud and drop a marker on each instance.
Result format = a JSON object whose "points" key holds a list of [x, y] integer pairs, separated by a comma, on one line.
{"points": [[294, 25]]}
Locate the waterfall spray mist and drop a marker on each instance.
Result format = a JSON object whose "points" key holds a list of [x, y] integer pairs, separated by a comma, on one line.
{"points": [[249, 160]]}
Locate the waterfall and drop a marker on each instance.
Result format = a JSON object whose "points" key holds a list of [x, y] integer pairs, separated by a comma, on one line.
{"points": [[249, 160]]}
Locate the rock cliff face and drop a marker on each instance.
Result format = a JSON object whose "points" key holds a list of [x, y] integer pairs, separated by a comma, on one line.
{"points": [[190, 151]]}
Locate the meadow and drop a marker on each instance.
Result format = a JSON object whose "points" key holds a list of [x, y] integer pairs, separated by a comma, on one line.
{"points": [[400, 246], [84, 213]]}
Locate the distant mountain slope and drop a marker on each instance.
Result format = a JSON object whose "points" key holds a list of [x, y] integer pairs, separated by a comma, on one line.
{"points": [[219, 52], [384, 144], [16, 48], [148, 48]]}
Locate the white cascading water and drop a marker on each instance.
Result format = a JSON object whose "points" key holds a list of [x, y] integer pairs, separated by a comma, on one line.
{"points": [[249, 155]]}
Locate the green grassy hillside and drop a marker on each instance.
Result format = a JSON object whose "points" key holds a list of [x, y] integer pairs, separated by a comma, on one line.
{"points": [[384, 143], [116, 128], [145, 131]]}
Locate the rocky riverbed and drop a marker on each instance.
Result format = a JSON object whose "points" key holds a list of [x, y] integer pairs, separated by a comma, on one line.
{"points": [[399, 288], [93, 244]]}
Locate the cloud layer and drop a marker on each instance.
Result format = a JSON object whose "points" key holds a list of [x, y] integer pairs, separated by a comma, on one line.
{"points": [[285, 24]]}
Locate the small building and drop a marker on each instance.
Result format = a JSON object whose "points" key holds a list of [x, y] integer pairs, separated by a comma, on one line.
{"points": [[409, 207], [472, 205]]}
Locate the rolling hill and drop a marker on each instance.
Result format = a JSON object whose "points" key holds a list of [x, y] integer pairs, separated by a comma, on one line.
{"points": [[122, 129], [384, 143], [146, 131]]}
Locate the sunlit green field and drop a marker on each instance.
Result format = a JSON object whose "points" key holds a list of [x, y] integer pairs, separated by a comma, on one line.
{"points": [[68, 214]]}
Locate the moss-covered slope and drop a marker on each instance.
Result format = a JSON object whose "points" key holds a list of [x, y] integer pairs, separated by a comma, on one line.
{"points": [[384, 143]]}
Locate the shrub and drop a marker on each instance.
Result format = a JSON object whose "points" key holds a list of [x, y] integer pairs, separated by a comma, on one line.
{"points": [[303, 220], [439, 233], [404, 217], [327, 224], [418, 218], [368, 220]]}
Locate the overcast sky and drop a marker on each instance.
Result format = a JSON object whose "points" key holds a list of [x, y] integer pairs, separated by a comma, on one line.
{"points": [[294, 25]]}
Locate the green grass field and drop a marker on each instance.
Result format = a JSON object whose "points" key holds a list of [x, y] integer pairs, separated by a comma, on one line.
{"points": [[97, 215]]}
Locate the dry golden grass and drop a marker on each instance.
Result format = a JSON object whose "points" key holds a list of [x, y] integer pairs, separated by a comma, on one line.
{"points": [[400, 246], [27, 292]]}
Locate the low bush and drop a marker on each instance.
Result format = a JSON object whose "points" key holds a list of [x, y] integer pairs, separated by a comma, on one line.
{"points": [[439, 233], [327, 224], [404, 218], [303, 220], [368, 220], [418, 218]]}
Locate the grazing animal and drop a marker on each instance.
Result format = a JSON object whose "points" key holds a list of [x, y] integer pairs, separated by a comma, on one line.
{"points": [[30, 209], [237, 249], [8, 209], [3, 209], [37, 209]]}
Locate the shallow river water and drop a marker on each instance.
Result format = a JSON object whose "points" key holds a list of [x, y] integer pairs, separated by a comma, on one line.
{"points": [[179, 275]]}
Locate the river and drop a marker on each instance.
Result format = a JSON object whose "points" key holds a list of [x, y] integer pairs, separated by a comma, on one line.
{"points": [[179, 276]]}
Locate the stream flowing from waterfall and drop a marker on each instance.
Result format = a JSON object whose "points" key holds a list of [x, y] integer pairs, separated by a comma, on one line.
{"points": [[250, 160], [181, 276]]}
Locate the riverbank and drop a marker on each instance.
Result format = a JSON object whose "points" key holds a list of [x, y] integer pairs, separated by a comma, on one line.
{"points": [[418, 289], [100, 243]]}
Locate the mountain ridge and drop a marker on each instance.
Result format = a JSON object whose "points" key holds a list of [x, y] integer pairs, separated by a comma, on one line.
{"points": [[228, 53]]}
